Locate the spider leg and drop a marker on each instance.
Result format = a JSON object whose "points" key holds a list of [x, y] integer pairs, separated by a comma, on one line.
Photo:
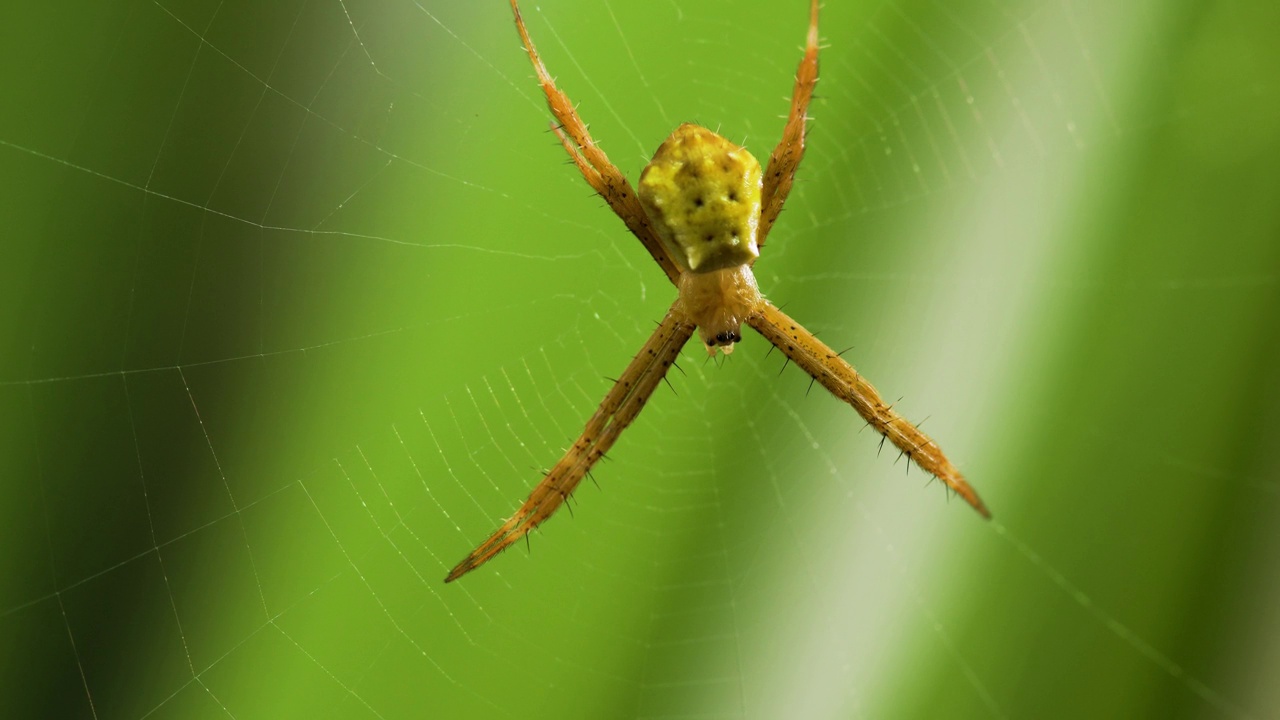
{"points": [[602, 175], [625, 400], [837, 376], [785, 158]]}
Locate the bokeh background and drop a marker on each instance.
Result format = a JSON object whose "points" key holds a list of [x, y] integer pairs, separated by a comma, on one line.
{"points": [[297, 298]]}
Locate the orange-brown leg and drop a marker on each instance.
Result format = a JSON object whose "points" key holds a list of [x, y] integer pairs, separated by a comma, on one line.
{"points": [[785, 158], [837, 376], [594, 165], [616, 412]]}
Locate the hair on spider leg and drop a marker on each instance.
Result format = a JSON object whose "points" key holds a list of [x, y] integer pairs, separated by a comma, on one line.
{"points": [[673, 387], [910, 456]]}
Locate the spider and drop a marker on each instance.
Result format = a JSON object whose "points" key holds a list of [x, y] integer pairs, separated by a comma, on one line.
{"points": [[703, 210]]}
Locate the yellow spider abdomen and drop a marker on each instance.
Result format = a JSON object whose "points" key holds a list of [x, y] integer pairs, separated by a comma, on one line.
{"points": [[702, 194]]}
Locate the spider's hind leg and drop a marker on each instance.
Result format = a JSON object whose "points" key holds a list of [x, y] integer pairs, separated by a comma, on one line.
{"points": [[785, 158], [605, 178]]}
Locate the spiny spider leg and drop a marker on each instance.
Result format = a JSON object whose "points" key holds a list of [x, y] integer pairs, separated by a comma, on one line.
{"points": [[594, 165], [785, 158], [837, 376], [615, 413]]}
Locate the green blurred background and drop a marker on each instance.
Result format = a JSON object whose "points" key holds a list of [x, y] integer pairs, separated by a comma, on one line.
{"points": [[296, 299]]}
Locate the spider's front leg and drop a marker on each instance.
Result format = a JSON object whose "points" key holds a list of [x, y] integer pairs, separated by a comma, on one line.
{"points": [[827, 367], [615, 413]]}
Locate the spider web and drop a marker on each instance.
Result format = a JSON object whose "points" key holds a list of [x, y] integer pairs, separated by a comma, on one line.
{"points": [[298, 298]]}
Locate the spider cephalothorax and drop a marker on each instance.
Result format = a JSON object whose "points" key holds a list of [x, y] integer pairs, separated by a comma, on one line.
{"points": [[703, 211]]}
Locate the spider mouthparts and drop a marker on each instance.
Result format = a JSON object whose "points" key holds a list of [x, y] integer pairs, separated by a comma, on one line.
{"points": [[726, 347]]}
